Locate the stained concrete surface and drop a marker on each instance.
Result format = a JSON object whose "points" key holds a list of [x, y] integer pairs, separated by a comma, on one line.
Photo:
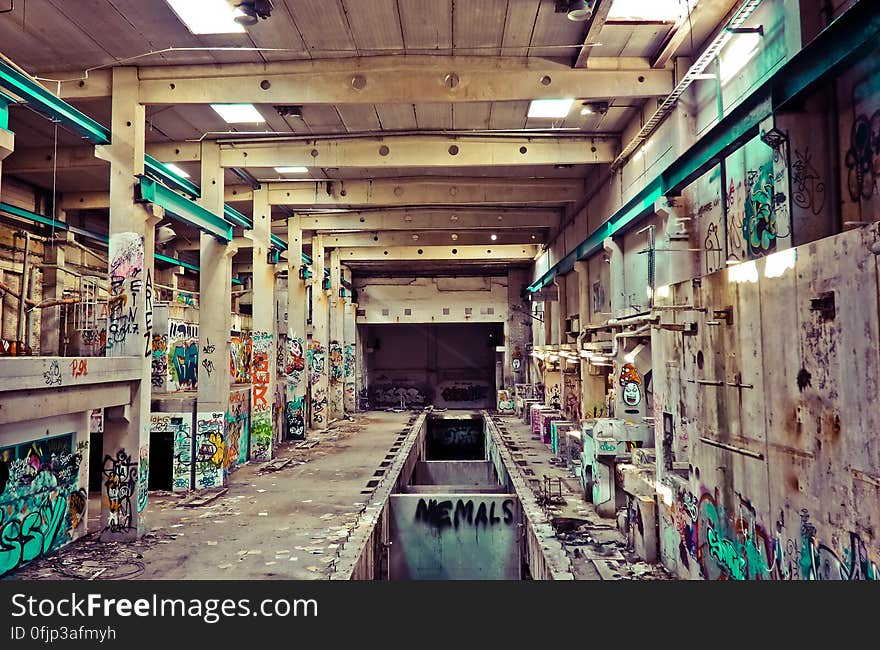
{"points": [[286, 524]]}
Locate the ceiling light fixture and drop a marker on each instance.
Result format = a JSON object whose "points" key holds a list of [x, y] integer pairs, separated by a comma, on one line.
{"points": [[493, 237], [550, 107], [207, 16], [579, 10], [238, 113], [292, 170]]}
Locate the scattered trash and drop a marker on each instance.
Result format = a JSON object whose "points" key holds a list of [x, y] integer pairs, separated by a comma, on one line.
{"points": [[306, 444]]}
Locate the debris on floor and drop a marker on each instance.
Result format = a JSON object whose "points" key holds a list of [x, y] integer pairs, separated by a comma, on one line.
{"points": [[203, 497], [306, 444]]}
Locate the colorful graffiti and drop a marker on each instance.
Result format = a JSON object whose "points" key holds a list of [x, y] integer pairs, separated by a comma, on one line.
{"points": [[126, 253], [237, 428], [143, 476], [631, 383], [159, 361], [120, 486], [336, 362], [210, 450], [261, 408], [294, 415], [759, 226], [41, 503], [240, 359], [349, 361], [554, 398], [572, 404], [180, 427], [11, 348], [316, 361], [295, 363]]}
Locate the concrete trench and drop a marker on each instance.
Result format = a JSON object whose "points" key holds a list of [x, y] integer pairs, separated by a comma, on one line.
{"points": [[449, 507]]}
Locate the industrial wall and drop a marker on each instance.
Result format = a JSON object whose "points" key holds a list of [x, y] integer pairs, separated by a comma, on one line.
{"points": [[448, 365], [766, 433]]}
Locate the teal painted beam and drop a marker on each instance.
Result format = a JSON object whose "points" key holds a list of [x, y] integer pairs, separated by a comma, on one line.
{"points": [[158, 171], [183, 208], [850, 36], [30, 91], [177, 262], [5, 101], [235, 217]]}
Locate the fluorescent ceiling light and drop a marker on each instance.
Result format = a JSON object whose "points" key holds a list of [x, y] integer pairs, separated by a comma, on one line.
{"points": [[207, 16], [176, 170], [657, 10], [238, 113], [550, 107], [292, 170]]}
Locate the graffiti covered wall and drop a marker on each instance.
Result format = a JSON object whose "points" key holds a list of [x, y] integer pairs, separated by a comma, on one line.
{"points": [[210, 450], [238, 434], [263, 399], [763, 424], [180, 426], [43, 487]]}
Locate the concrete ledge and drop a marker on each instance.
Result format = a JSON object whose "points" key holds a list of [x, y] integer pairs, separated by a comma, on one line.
{"points": [[44, 373]]}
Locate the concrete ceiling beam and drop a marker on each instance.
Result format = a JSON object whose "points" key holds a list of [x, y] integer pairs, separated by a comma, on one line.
{"points": [[505, 252], [422, 151], [384, 79], [430, 219]]}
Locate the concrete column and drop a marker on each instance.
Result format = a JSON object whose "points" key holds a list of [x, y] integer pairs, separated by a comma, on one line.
{"points": [[7, 137], [562, 337], [318, 374], [264, 354], [126, 438], [349, 348], [592, 383], [215, 299], [336, 362], [618, 286], [294, 406], [51, 336]]}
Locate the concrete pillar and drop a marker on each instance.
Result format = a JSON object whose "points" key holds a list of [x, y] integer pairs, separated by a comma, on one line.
{"points": [[126, 437], [592, 382], [54, 276], [336, 362], [318, 375], [561, 336], [349, 348], [294, 407], [618, 286], [215, 298], [264, 359]]}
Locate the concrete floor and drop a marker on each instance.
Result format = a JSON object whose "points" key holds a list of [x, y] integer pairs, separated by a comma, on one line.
{"points": [[279, 525]]}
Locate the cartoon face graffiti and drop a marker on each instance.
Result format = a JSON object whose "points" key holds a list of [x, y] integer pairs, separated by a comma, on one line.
{"points": [[632, 396], [630, 381]]}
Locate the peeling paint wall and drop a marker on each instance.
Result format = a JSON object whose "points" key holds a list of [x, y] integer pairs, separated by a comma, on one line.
{"points": [[766, 438]]}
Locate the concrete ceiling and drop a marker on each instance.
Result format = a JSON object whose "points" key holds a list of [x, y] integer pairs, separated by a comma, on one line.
{"points": [[57, 39]]}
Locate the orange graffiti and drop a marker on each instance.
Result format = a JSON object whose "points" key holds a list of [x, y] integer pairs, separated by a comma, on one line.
{"points": [[79, 367]]}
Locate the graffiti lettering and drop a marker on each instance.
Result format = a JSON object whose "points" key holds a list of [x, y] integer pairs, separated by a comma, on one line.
{"points": [[437, 513], [120, 481]]}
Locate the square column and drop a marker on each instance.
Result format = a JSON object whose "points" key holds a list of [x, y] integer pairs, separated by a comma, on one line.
{"points": [[592, 385], [349, 348], [318, 373], [337, 315], [215, 321], [126, 438], [295, 366], [54, 277], [263, 334]]}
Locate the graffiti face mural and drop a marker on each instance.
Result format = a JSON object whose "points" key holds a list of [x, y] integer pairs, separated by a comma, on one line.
{"points": [[237, 428], [336, 363], [210, 449], [240, 359], [631, 382], [294, 419]]}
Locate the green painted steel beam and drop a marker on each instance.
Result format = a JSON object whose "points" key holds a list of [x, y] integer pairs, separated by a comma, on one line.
{"points": [[32, 216], [852, 35], [177, 262], [5, 101], [20, 85], [235, 217], [183, 209], [158, 171]]}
